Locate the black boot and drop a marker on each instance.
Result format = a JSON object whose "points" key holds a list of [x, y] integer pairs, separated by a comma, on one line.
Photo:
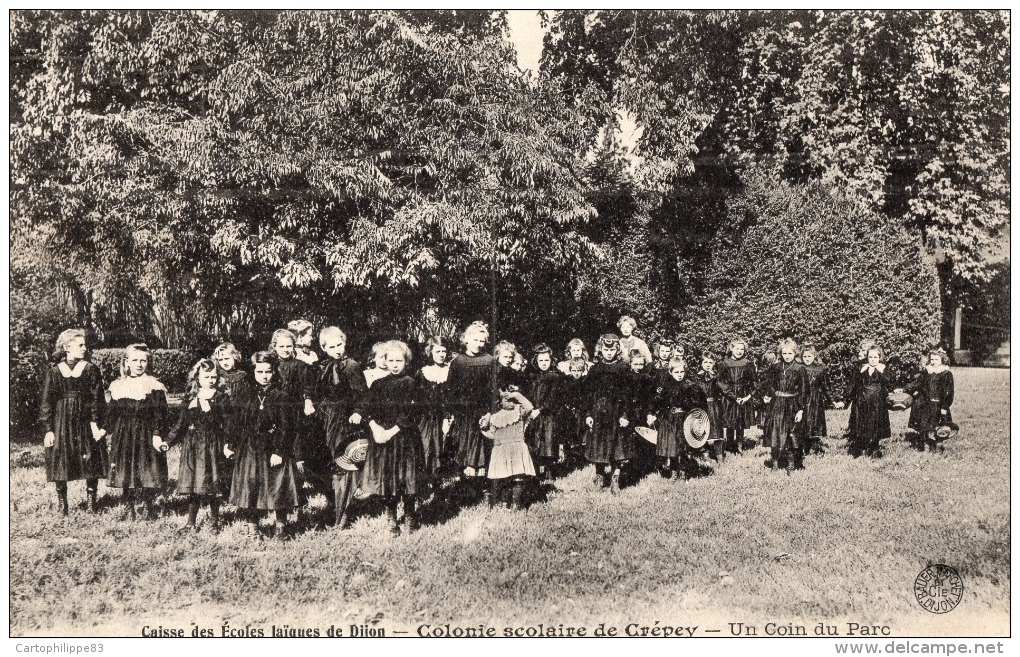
{"points": [[90, 494], [150, 505], [129, 504], [193, 505], [496, 493], [410, 514], [214, 513], [342, 489], [518, 495], [391, 516], [62, 498]]}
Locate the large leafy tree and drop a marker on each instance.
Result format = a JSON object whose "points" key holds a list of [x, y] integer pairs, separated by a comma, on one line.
{"points": [[907, 109], [199, 166]]}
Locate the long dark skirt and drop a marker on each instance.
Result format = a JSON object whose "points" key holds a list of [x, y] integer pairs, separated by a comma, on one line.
{"points": [[671, 443], [925, 416], [433, 442], [473, 449], [607, 441], [779, 423], [257, 485], [869, 418], [737, 416], [543, 436], [134, 462], [75, 454], [201, 466], [396, 467]]}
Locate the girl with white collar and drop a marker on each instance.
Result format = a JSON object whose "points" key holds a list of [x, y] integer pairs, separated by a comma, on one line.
{"points": [[137, 418], [70, 412], [869, 418], [933, 394], [201, 432]]}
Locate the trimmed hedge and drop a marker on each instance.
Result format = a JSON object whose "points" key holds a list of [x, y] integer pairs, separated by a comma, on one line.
{"points": [[808, 262], [170, 366]]}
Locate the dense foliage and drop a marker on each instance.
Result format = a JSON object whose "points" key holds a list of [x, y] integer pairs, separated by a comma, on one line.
{"points": [[185, 177], [907, 109], [797, 261], [193, 168]]}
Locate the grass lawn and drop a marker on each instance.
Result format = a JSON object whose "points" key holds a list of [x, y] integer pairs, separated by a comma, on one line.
{"points": [[838, 542]]}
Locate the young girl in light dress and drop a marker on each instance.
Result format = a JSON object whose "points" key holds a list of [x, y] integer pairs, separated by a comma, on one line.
{"points": [[510, 461]]}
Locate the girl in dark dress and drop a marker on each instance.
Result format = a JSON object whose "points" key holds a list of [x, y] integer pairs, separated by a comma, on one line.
{"points": [[137, 418], [606, 446], [340, 387], [575, 364], [662, 351], [545, 435], [304, 336], [235, 384], [395, 464], [70, 412], [201, 432], [761, 409], [707, 379], [784, 391], [471, 384], [265, 471], [869, 418], [297, 382], [675, 397], [435, 421], [933, 396], [573, 404], [813, 427], [504, 354], [575, 351], [736, 380]]}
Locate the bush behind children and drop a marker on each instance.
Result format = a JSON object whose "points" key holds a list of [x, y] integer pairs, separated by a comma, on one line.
{"points": [[459, 427]]}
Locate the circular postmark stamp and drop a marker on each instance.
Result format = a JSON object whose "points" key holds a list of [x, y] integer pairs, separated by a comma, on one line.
{"points": [[938, 588]]}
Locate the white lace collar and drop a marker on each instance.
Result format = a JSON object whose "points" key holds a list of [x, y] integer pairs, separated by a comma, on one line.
{"points": [[135, 387], [307, 356], [202, 399], [436, 373], [74, 373], [504, 418], [373, 375], [937, 370], [880, 367]]}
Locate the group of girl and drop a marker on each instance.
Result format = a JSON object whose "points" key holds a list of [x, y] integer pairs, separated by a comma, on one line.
{"points": [[475, 423]]}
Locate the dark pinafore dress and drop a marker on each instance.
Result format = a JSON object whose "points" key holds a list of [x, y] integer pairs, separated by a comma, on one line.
{"points": [[606, 442], [869, 418], [201, 431], [397, 466], [933, 394], [736, 380], [818, 399], [137, 411], [72, 398], [265, 419], [432, 382], [785, 383], [673, 401], [471, 395], [545, 434]]}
